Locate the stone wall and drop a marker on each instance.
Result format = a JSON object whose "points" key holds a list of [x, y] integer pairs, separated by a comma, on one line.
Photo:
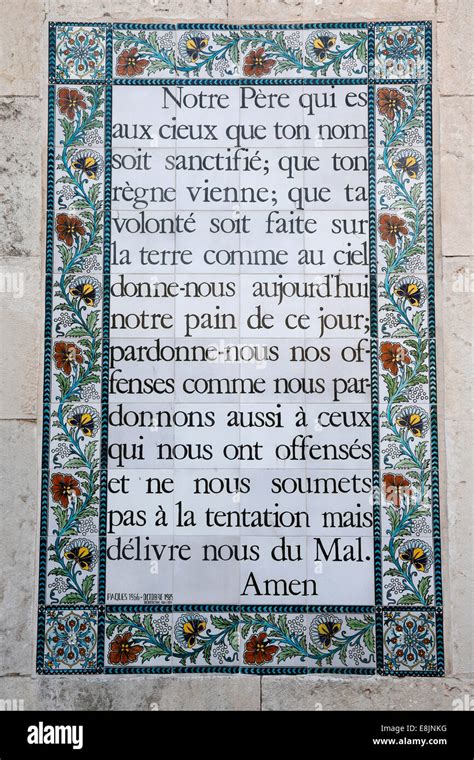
{"points": [[23, 36]]}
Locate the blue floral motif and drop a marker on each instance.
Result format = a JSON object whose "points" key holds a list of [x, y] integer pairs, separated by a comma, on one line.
{"points": [[400, 52], [409, 639], [70, 640], [80, 52]]}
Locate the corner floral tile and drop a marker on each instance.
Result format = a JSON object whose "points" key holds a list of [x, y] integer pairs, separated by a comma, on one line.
{"points": [[80, 51], [341, 640], [206, 639], [409, 640], [71, 568], [332, 52], [270, 53], [70, 641], [400, 51], [273, 640], [144, 53], [73, 500], [207, 51], [138, 639]]}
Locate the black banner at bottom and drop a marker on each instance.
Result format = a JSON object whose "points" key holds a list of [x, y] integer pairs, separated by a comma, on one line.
{"points": [[377, 734]]}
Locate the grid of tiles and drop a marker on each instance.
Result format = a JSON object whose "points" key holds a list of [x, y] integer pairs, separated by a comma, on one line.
{"points": [[401, 634]]}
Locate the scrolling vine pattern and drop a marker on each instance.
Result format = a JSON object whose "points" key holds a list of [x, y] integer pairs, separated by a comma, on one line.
{"points": [[255, 639], [404, 357], [258, 53], [76, 349]]}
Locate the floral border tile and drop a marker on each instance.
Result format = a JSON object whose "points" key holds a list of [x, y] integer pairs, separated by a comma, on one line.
{"points": [[203, 52], [335, 53], [403, 305], [342, 640], [146, 53], [274, 639], [135, 640], [72, 568], [201, 639]]}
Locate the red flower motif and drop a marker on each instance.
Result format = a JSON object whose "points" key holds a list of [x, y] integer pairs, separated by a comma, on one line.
{"points": [[256, 63], [396, 488], [129, 63], [69, 101], [258, 650], [393, 356], [123, 650], [62, 487], [67, 354], [69, 227], [390, 227], [389, 101]]}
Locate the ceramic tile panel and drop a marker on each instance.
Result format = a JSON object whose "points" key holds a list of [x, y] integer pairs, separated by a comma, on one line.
{"points": [[240, 458]]}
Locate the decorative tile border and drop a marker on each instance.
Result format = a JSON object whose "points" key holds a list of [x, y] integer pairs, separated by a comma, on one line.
{"points": [[402, 633]]}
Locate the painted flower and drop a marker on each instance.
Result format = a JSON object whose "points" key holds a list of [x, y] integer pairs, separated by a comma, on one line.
{"points": [[414, 420], [123, 650], [84, 419], [192, 44], [323, 629], [391, 227], [258, 650], [86, 289], [396, 489], [88, 162], [411, 162], [130, 64], [81, 552], [63, 487], [257, 63], [410, 641], [401, 48], [188, 628], [319, 44], [66, 355], [71, 639], [69, 227], [389, 101], [411, 289], [393, 356], [417, 553], [69, 101], [80, 52]]}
